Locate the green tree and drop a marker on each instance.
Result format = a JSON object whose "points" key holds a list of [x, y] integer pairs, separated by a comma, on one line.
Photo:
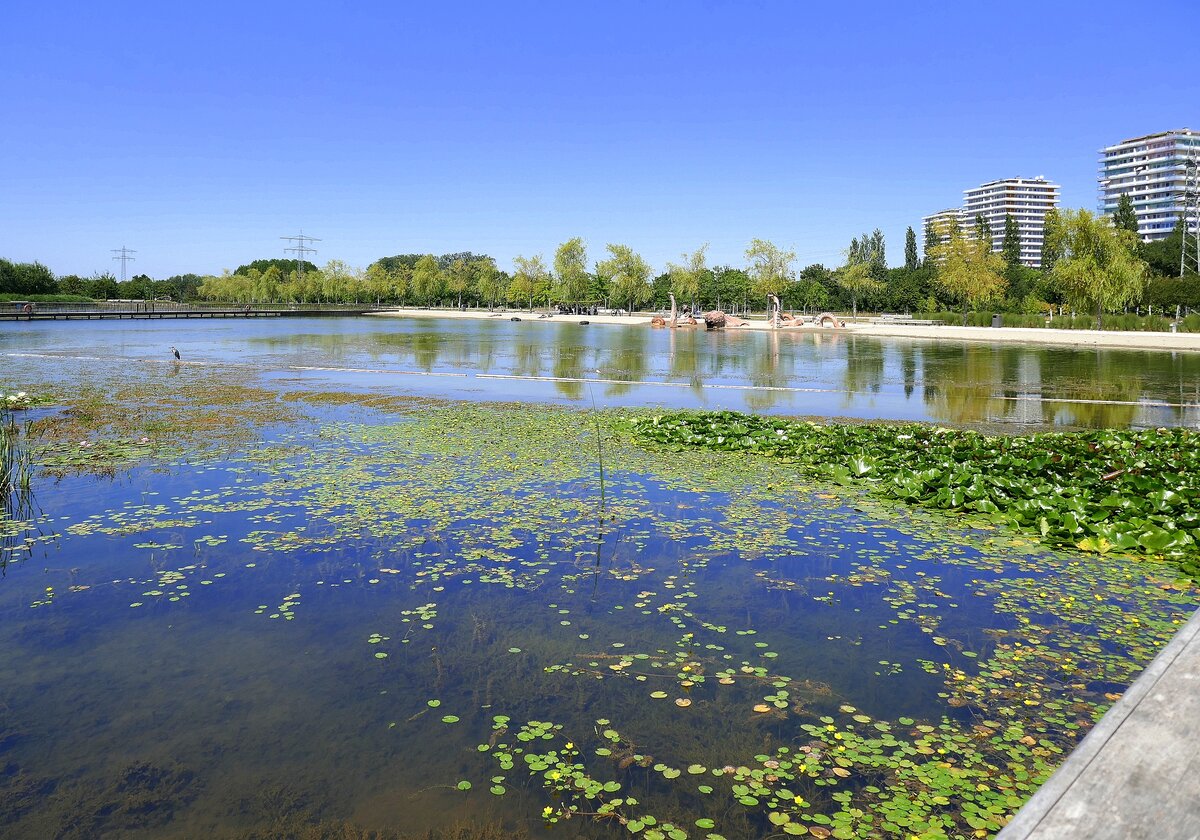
{"points": [[285, 266], [983, 229], [26, 279], [770, 268], [1163, 255], [628, 275], [490, 282], [459, 279], [1011, 249], [530, 280], [1098, 266], [685, 278], [72, 284], [856, 278], [1049, 253], [572, 283], [931, 242], [968, 271], [911, 260], [426, 282], [1125, 217]]}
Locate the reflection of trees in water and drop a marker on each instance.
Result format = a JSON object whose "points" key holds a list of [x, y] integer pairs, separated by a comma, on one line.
{"points": [[425, 348], [1100, 375], [766, 370], [527, 351], [864, 366], [569, 365], [961, 384], [683, 358], [908, 367], [625, 361]]}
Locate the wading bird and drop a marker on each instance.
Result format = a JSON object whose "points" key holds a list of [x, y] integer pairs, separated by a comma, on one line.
{"points": [[176, 352]]}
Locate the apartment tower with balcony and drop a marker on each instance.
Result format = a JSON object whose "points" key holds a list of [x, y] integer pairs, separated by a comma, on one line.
{"points": [[1027, 200], [936, 226], [1160, 174]]}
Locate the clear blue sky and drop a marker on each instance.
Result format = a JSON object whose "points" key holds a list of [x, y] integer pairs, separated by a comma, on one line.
{"points": [[198, 134]]}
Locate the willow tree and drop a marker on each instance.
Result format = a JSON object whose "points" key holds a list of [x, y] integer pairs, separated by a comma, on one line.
{"points": [[1097, 265], [530, 280], [685, 278], [858, 279], [426, 280], [491, 284], [570, 271], [459, 279], [968, 271], [770, 267], [627, 275]]}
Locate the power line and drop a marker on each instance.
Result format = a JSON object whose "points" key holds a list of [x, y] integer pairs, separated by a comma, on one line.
{"points": [[123, 255], [300, 249]]}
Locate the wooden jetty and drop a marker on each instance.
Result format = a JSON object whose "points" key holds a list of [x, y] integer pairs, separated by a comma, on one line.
{"points": [[1137, 773]]}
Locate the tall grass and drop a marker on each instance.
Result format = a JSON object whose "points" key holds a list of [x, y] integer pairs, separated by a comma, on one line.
{"points": [[16, 482]]}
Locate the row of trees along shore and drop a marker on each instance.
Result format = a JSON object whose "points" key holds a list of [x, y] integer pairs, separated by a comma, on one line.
{"points": [[1094, 265]]}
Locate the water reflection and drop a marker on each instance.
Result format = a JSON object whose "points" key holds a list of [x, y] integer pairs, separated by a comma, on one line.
{"points": [[819, 373], [961, 385]]}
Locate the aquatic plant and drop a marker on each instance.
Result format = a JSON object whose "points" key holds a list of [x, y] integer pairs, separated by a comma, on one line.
{"points": [[17, 507], [1130, 491]]}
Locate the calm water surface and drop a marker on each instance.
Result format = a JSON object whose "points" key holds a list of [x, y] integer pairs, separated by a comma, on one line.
{"points": [[311, 635], [819, 374]]}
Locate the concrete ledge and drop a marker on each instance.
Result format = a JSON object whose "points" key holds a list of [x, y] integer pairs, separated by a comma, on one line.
{"points": [[1137, 773]]}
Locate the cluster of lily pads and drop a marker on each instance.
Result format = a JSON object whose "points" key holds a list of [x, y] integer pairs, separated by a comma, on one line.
{"points": [[1129, 491]]}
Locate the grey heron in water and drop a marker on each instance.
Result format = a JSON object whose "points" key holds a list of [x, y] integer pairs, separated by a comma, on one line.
{"points": [[176, 352]]}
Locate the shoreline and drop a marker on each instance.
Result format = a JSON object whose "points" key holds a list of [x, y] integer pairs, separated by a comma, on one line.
{"points": [[1128, 340]]}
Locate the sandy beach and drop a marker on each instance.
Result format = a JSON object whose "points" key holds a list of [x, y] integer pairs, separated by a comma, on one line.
{"points": [[1070, 338]]}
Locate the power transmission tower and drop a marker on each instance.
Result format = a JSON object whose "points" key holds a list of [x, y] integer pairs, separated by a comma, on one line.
{"points": [[1190, 214], [300, 249], [122, 254]]}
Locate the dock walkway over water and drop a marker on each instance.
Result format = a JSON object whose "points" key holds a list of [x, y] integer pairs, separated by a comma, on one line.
{"points": [[1137, 773]]}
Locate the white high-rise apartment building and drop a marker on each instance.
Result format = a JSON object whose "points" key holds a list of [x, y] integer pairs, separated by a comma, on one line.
{"points": [[940, 222], [1027, 200], [1154, 172]]}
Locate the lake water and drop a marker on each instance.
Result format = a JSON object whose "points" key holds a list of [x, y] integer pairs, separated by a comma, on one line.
{"points": [[822, 374], [325, 604]]}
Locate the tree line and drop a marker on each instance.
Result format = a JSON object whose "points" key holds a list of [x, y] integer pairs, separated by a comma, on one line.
{"points": [[1093, 264]]}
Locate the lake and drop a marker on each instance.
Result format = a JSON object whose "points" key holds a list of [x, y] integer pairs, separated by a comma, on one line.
{"points": [[822, 374], [400, 579]]}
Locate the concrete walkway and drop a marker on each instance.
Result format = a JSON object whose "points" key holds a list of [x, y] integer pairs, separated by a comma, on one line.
{"points": [[1137, 773], [1012, 335]]}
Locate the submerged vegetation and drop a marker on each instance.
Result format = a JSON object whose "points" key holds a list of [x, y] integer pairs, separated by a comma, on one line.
{"points": [[757, 649], [1135, 492]]}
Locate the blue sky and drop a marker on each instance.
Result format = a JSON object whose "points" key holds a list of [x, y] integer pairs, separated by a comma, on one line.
{"points": [[199, 134]]}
